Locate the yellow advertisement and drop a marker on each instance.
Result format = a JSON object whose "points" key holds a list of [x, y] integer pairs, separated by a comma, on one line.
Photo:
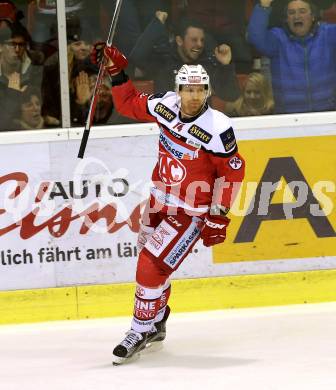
{"points": [[286, 207]]}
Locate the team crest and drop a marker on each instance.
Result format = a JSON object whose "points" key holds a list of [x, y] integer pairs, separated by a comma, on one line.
{"points": [[171, 171]]}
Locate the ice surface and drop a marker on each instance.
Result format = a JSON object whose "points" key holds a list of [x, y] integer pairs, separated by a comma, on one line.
{"points": [[279, 348]]}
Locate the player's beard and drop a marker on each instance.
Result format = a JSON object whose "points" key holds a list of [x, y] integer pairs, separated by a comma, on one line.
{"points": [[179, 105]]}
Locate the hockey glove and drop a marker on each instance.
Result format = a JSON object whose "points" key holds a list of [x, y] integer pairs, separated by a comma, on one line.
{"points": [[114, 60], [214, 230]]}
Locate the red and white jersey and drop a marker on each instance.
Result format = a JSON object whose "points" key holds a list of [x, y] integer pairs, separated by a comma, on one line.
{"points": [[198, 162]]}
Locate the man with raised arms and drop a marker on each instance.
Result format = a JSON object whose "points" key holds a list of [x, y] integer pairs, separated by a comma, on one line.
{"points": [[196, 178]]}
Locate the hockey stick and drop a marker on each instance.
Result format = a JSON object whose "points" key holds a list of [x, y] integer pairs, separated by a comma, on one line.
{"points": [[94, 99]]}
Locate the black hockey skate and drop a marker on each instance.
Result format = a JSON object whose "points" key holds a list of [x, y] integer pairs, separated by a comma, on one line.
{"points": [[158, 332], [130, 347]]}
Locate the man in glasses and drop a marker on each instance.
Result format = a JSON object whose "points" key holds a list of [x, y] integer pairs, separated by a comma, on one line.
{"points": [[17, 70]]}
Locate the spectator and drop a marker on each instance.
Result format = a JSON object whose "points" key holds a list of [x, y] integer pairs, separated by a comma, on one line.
{"points": [[302, 55], [161, 60], [133, 18], [80, 99], [16, 57], [17, 70], [277, 13], [87, 11], [226, 22], [29, 110], [96, 18], [256, 98], [78, 59]]}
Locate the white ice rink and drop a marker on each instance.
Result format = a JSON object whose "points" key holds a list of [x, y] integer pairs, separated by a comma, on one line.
{"points": [[282, 348]]}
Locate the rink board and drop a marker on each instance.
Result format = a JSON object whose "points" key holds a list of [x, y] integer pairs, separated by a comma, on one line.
{"points": [[98, 301], [55, 264], [47, 240]]}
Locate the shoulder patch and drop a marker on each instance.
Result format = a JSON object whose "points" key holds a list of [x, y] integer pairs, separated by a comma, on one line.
{"points": [[156, 95], [164, 112], [235, 163], [200, 134], [228, 139]]}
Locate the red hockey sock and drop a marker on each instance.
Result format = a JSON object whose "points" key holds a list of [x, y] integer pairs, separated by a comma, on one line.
{"points": [[146, 305], [149, 296], [163, 301]]}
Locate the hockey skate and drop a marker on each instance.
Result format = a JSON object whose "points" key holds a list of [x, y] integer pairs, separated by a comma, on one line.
{"points": [[158, 333], [129, 348]]}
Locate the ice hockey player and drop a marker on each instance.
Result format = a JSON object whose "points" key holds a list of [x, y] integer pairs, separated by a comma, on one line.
{"points": [[195, 181]]}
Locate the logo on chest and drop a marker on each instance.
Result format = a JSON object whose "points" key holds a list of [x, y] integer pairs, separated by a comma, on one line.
{"points": [[200, 134], [164, 112], [171, 171]]}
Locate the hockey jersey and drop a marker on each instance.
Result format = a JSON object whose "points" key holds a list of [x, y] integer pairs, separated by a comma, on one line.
{"points": [[198, 162]]}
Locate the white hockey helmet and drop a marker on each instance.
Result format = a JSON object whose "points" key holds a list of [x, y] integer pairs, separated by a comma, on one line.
{"points": [[192, 75]]}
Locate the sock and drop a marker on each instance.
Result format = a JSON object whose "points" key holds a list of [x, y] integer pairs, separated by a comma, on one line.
{"points": [[163, 301], [146, 306]]}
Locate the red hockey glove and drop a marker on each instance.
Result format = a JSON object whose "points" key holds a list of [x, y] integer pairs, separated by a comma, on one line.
{"points": [[214, 230], [115, 61]]}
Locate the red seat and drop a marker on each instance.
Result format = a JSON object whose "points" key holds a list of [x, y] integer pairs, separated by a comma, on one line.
{"points": [[8, 11]]}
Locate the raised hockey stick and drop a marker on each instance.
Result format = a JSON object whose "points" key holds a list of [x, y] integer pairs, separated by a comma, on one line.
{"points": [[94, 99]]}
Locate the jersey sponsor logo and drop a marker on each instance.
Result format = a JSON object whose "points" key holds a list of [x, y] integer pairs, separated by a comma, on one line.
{"points": [[176, 135], [182, 247], [235, 163], [156, 95], [138, 321], [144, 305], [164, 112], [200, 134], [144, 310], [175, 149], [194, 144], [171, 171], [160, 239], [228, 139]]}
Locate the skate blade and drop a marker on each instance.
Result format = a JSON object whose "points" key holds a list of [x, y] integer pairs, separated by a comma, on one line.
{"points": [[153, 347], [118, 361]]}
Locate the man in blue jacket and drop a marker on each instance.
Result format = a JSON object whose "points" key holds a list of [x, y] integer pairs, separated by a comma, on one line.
{"points": [[302, 54]]}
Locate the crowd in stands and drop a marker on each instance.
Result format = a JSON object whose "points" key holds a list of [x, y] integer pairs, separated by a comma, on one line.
{"points": [[263, 56]]}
